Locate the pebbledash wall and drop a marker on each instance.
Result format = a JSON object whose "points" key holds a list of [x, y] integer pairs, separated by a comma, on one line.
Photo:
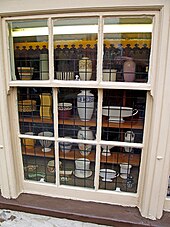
{"points": [[155, 166]]}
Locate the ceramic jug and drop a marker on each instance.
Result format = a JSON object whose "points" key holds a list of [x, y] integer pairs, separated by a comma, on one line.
{"points": [[129, 137]]}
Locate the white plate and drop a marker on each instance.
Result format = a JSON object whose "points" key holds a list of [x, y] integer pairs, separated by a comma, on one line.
{"points": [[82, 173]]}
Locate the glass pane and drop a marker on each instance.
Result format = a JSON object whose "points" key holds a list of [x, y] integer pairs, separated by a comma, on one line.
{"points": [[77, 164], [127, 43], [123, 116], [119, 170], [28, 42], [35, 111], [38, 160], [75, 52], [77, 113]]}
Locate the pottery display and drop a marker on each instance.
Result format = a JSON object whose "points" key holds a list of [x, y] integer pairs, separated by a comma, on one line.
{"points": [[45, 143], [125, 169], [117, 113], [85, 68], [46, 105], [129, 68], [129, 137], [85, 134], [109, 75], [82, 169], [44, 67], [108, 174], [85, 105]]}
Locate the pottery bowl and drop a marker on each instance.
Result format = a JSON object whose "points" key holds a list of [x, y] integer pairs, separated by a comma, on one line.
{"points": [[107, 174], [64, 109]]}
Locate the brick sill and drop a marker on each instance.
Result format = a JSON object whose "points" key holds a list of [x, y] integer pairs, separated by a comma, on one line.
{"points": [[105, 214]]}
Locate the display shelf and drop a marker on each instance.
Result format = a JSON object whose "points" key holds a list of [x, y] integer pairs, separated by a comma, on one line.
{"points": [[135, 124], [114, 158]]}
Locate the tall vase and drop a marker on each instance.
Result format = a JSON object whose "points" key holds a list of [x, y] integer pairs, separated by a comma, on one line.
{"points": [[46, 105], [44, 67], [129, 68], [85, 105], [85, 68], [85, 133]]}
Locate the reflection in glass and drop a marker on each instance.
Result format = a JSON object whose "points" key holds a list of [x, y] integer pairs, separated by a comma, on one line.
{"points": [[75, 53], [38, 163], [28, 42], [127, 43]]}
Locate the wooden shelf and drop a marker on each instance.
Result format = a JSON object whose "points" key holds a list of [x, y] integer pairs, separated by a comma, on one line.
{"points": [[135, 124], [115, 158]]}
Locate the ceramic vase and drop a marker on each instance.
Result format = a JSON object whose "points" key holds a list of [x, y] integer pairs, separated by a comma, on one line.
{"points": [[85, 105], [44, 67], [129, 137], [85, 68], [129, 68], [46, 105], [85, 133]]}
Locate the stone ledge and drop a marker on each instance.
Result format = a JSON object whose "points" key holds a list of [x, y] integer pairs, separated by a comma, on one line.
{"points": [[98, 213]]}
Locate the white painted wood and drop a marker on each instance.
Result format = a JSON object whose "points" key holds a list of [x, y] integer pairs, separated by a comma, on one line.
{"points": [[84, 194], [156, 169], [9, 176]]}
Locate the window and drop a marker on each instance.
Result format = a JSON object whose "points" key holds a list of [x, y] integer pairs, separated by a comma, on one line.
{"points": [[82, 86]]}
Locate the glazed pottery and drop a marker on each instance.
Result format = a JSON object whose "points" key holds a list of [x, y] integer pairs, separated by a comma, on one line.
{"points": [[117, 113], [106, 150], [29, 143], [82, 168], [129, 137], [108, 174], [65, 146], [64, 110], [85, 105], [85, 68], [25, 73]]}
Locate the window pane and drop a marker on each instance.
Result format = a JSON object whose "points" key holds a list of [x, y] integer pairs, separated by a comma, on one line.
{"points": [[75, 53], [38, 160], [123, 115], [35, 111], [127, 43], [28, 41], [119, 170], [77, 164], [77, 113]]}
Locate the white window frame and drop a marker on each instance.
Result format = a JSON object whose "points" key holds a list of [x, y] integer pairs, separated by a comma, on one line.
{"points": [[128, 199]]}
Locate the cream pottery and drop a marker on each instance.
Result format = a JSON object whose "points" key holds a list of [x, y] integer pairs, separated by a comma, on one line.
{"points": [[129, 137], [85, 134], [117, 113], [85, 105], [82, 168], [85, 68]]}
